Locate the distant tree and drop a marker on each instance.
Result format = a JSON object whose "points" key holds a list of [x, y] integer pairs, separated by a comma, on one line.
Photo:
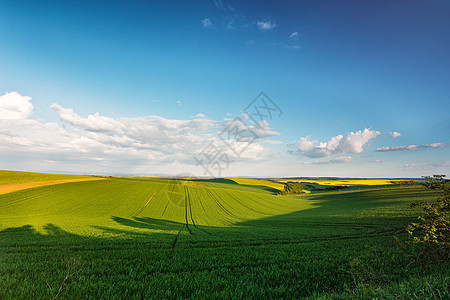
{"points": [[406, 182], [434, 225], [292, 188]]}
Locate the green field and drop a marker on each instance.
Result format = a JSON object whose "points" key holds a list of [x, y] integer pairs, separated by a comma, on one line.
{"points": [[14, 177], [168, 238]]}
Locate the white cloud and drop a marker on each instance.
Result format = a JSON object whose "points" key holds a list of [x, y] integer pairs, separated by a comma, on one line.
{"points": [[250, 42], [94, 122], [266, 25], [337, 160], [294, 36], [206, 22], [294, 47], [273, 142], [120, 144], [395, 134], [351, 142], [179, 103], [342, 159], [260, 130], [354, 142], [15, 106], [412, 147]]}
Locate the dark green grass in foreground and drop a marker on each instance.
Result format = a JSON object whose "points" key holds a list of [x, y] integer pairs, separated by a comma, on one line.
{"points": [[303, 253]]}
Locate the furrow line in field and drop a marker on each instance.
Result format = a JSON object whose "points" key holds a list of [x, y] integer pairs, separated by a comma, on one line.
{"points": [[221, 206], [262, 201], [201, 204], [140, 210], [156, 201], [165, 208], [217, 196], [237, 200], [186, 210], [192, 217]]}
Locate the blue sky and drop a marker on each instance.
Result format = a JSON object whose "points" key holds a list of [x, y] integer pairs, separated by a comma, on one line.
{"points": [[143, 87]]}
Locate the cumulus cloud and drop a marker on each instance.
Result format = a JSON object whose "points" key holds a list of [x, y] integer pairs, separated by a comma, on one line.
{"points": [[124, 141], [351, 142], [412, 147], [266, 25], [94, 122], [206, 22], [395, 134], [153, 133], [238, 126], [15, 106]]}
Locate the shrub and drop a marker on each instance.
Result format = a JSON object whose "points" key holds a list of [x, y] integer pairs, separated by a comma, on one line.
{"points": [[292, 188], [434, 224]]}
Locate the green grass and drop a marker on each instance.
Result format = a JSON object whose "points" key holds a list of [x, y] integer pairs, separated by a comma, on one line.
{"points": [[14, 177], [163, 238]]}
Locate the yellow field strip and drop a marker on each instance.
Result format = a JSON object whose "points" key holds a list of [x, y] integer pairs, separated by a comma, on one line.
{"points": [[345, 182], [149, 199], [7, 188]]}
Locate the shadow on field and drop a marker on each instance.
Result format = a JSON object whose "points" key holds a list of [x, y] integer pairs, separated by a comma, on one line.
{"points": [[336, 214], [149, 223], [349, 214], [52, 236], [215, 180], [231, 182], [48, 230], [264, 188], [158, 224], [29, 233]]}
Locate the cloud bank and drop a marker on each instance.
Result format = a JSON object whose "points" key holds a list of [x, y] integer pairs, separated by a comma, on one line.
{"points": [[110, 141], [351, 142], [412, 147], [337, 160]]}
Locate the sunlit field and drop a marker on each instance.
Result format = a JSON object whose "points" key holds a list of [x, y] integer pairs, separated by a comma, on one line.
{"points": [[11, 181], [225, 238], [224, 149]]}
